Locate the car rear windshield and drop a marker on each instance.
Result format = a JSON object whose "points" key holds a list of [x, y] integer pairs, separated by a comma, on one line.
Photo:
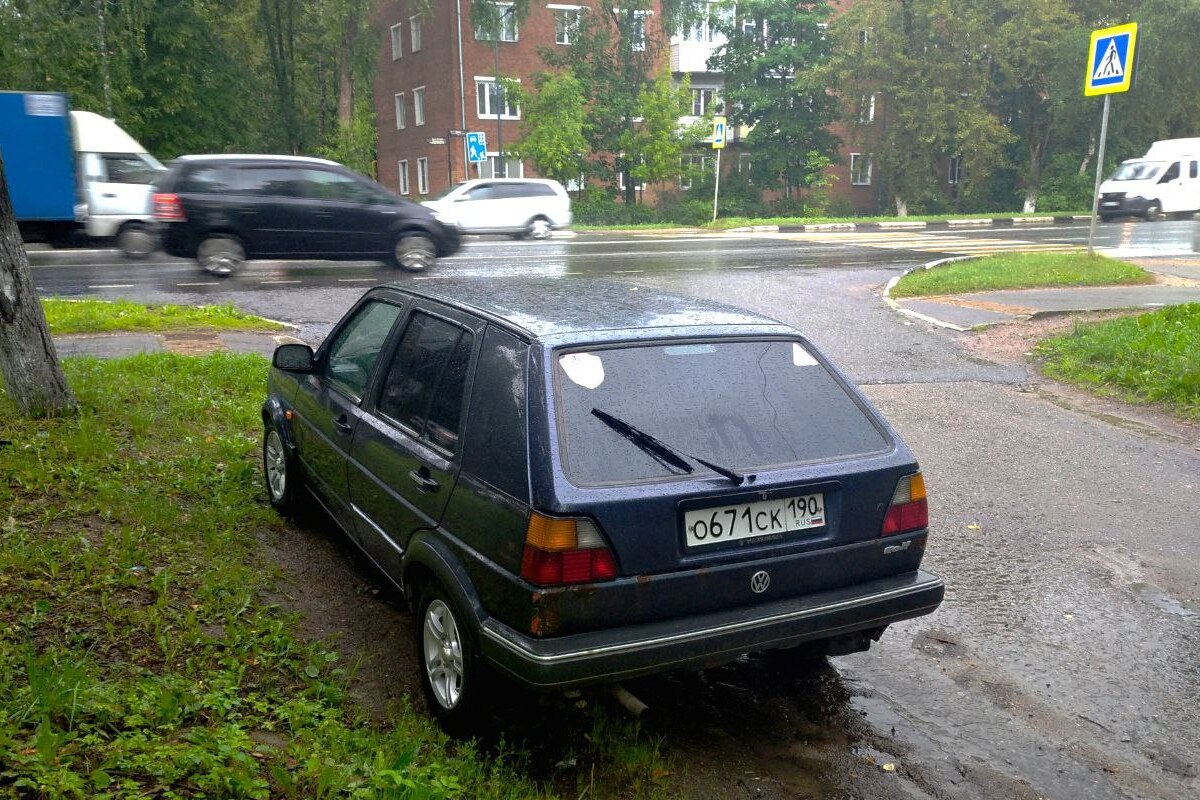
{"points": [[744, 405]]}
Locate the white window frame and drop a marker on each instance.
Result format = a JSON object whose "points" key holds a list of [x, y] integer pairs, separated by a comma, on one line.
{"points": [[700, 93], [488, 168], [414, 32], [568, 32], [401, 112], [397, 41], [856, 178], [508, 25], [487, 112], [402, 169], [707, 163], [639, 26], [866, 109], [423, 175], [954, 171], [418, 105], [745, 162]]}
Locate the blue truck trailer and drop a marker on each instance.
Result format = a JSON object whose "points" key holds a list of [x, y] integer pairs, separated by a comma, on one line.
{"points": [[39, 165], [75, 175]]}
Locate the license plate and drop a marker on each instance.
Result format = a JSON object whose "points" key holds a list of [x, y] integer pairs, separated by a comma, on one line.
{"points": [[1109, 204], [707, 526]]}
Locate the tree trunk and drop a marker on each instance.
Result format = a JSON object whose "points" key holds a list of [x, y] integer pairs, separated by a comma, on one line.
{"points": [[345, 77], [29, 364], [901, 206]]}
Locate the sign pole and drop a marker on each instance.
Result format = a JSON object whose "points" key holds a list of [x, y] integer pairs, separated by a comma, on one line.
{"points": [[718, 143], [1099, 174], [716, 184]]}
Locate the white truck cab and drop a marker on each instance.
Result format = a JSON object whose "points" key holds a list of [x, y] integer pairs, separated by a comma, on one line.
{"points": [[116, 174], [1164, 181]]}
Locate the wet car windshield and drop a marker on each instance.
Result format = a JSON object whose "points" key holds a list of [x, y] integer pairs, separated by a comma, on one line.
{"points": [[1141, 171], [747, 405]]}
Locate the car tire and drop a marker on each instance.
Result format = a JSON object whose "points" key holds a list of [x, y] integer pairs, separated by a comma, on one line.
{"points": [[221, 255], [136, 241], [539, 228], [280, 473], [414, 252], [453, 676], [1153, 212], [1106, 218]]}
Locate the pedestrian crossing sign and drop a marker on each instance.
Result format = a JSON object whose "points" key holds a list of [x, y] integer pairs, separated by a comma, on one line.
{"points": [[1111, 60]]}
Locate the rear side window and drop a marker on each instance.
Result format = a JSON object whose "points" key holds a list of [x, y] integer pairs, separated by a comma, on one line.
{"points": [[353, 353], [523, 190], [495, 450], [746, 405], [204, 180], [424, 387]]}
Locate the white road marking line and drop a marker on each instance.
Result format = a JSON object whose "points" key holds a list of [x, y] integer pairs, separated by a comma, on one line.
{"points": [[355, 280], [627, 271], [112, 286], [280, 282], [213, 283]]}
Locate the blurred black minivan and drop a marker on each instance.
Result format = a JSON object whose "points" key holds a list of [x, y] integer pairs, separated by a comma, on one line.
{"points": [[225, 209]]}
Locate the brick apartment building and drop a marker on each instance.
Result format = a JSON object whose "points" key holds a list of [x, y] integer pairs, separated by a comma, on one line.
{"points": [[436, 80]]}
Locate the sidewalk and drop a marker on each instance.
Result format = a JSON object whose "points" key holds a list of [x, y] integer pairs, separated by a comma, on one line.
{"points": [[1179, 282], [191, 343]]}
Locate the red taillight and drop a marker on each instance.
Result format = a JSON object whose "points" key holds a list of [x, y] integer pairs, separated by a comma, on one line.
{"points": [[168, 208], [909, 510], [565, 551]]}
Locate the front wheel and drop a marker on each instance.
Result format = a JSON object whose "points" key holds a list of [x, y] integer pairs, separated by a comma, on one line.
{"points": [[280, 473], [1153, 212], [452, 674], [415, 252], [221, 255], [539, 228]]}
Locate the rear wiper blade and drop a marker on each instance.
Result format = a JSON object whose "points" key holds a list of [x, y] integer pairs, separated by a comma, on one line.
{"points": [[674, 457]]}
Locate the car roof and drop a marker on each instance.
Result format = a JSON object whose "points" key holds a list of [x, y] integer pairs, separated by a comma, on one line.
{"points": [[258, 157], [561, 310]]}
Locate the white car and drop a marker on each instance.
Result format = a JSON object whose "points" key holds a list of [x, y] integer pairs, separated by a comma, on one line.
{"points": [[519, 206]]}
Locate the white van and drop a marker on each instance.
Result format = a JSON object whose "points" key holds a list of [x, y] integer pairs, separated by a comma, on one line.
{"points": [[1165, 181], [518, 206], [117, 174]]}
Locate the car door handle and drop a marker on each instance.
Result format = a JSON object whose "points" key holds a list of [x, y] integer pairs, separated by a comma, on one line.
{"points": [[323, 214], [343, 424], [109, 194], [423, 480]]}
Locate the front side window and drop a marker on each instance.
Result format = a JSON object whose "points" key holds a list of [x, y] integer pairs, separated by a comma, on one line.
{"points": [[353, 354], [205, 180], [130, 168], [268, 182], [425, 384], [747, 405], [419, 105], [491, 99], [414, 29], [860, 169], [1171, 174]]}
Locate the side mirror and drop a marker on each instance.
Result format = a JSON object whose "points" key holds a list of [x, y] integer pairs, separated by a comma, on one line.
{"points": [[293, 358]]}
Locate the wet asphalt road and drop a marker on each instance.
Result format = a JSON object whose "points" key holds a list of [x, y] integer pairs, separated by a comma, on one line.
{"points": [[1065, 662]]}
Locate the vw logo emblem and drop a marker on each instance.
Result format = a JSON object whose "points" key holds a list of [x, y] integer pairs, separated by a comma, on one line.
{"points": [[759, 581]]}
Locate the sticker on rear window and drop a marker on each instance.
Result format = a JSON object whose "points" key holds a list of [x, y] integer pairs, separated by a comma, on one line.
{"points": [[801, 357], [584, 369]]}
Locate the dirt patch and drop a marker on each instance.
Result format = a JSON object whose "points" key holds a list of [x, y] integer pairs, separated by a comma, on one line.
{"points": [[192, 343]]}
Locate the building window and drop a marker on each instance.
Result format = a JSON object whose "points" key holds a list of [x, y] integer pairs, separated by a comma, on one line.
{"points": [[414, 30], [423, 175], [745, 164], [397, 42], [507, 23], [702, 100], [860, 169], [637, 30], [566, 24], [404, 176], [419, 105], [866, 109], [954, 171], [491, 98], [695, 166], [401, 116], [495, 167]]}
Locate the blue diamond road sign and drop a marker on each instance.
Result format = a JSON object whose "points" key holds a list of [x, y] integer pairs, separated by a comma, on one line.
{"points": [[476, 147]]}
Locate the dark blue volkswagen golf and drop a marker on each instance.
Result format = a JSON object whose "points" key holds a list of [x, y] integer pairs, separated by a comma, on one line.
{"points": [[576, 482]]}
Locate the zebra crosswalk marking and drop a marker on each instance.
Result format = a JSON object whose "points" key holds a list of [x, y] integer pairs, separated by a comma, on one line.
{"points": [[929, 243]]}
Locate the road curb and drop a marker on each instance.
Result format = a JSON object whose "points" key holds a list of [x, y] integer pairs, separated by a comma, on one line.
{"points": [[899, 225], [908, 312]]}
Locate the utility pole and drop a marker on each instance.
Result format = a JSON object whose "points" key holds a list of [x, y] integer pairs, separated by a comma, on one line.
{"points": [[498, 94]]}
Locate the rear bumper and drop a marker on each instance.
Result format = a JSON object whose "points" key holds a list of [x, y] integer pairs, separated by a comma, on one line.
{"points": [[616, 654]]}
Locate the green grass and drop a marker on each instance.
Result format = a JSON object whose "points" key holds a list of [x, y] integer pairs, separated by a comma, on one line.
{"points": [[1148, 358], [1019, 271], [105, 316], [137, 656]]}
